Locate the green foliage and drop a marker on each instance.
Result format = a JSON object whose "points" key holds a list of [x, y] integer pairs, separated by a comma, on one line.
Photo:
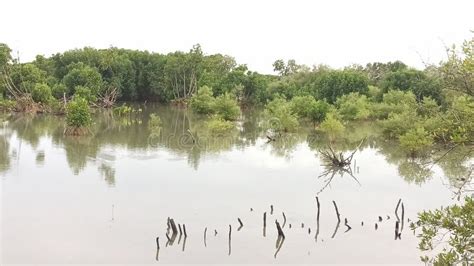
{"points": [[307, 107], [5, 56], [455, 225], [58, 90], [421, 84], [301, 105], [458, 71], [78, 114], [26, 76], [330, 85], [41, 93], [416, 140], [217, 125], [394, 102], [332, 126], [81, 75], [126, 110], [318, 111], [353, 106], [398, 124], [85, 93], [374, 93], [6, 105], [227, 107], [458, 121], [203, 101], [280, 117]]}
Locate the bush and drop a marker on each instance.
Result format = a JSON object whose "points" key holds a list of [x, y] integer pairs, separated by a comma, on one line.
{"points": [[78, 114], [218, 125], [332, 126], [375, 94], [317, 111], [413, 80], [353, 106], [398, 124], [41, 93], [7, 105], [203, 101], [330, 85], [301, 105], [85, 93], [458, 222], [279, 115], [58, 90], [416, 140], [394, 102], [226, 106]]}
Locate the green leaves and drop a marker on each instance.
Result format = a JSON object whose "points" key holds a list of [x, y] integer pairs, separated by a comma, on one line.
{"points": [[416, 140], [454, 224], [225, 106], [77, 113], [85, 76]]}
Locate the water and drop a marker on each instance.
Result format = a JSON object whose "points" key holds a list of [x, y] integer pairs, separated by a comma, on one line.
{"points": [[105, 198]]}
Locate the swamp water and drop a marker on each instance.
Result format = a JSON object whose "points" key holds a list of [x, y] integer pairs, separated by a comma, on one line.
{"points": [[105, 198]]}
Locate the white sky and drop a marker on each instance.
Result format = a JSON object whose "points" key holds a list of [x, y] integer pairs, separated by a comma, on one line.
{"points": [[336, 33]]}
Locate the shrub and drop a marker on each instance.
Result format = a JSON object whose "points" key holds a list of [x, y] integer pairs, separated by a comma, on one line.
{"points": [[301, 105], [218, 125], [317, 111], [203, 101], [41, 93], [279, 115], [78, 114], [332, 126], [226, 106], [416, 140], [85, 93], [330, 85], [353, 106], [394, 102], [398, 124], [7, 105], [58, 90], [458, 223]]}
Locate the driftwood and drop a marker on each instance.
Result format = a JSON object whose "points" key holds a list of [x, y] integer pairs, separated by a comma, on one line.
{"points": [[230, 237], [338, 219], [264, 223], [241, 224], [157, 248], [280, 231], [337, 159], [317, 220], [347, 225], [284, 220]]}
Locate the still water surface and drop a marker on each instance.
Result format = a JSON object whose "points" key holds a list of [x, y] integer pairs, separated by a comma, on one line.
{"points": [[106, 197]]}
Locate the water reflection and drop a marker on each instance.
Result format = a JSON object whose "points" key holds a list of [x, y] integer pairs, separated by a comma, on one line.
{"points": [[185, 135], [4, 153]]}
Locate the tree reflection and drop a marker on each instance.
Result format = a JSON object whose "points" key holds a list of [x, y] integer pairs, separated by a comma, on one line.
{"points": [[415, 170], [4, 154], [108, 173], [185, 134]]}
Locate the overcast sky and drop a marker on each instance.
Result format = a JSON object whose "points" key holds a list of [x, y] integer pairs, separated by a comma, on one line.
{"points": [[256, 33]]}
